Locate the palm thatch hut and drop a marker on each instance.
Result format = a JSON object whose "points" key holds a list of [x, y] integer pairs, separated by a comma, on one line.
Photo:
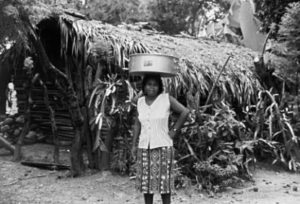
{"points": [[79, 61]]}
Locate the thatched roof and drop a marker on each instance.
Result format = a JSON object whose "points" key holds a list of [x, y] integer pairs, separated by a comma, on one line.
{"points": [[200, 59]]}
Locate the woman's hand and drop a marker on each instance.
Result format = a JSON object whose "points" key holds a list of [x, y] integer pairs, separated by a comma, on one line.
{"points": [[183, 111]]}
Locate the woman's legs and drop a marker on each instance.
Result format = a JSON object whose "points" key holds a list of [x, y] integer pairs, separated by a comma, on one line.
{"points": [[148, 198], [166, 198]]}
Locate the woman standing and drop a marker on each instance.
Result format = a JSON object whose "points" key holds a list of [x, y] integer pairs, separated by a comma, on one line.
{"points": [[155, 153]]}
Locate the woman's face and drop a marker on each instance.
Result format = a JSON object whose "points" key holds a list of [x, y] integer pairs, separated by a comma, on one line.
{"points": [[151, 87], [11, 86]]}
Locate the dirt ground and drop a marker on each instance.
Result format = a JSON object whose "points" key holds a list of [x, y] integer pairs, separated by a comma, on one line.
{"points": [[23, 184]]}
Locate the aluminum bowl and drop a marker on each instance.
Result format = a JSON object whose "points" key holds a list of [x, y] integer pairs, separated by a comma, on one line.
{"points": [[164, 65]]}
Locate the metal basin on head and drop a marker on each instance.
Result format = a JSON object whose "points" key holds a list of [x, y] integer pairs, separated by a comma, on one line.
{"points": [[164, 65]]}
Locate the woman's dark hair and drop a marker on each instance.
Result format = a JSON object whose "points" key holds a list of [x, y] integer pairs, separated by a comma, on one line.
{"points": [[154, 77]]}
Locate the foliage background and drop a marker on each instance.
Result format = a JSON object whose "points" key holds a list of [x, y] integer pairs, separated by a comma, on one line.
{"points": [[270, 12], [289, 31]]}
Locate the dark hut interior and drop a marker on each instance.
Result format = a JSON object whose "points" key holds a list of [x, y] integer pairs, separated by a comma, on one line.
{"points": [[49, 33]]}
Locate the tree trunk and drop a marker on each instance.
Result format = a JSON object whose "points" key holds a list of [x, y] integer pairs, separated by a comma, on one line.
{"points": [[97, 158], [54, 134], [52, 120], [18, 153], [87, 115], [76, 115], [76, 154], [88, 137], [106, 156]]}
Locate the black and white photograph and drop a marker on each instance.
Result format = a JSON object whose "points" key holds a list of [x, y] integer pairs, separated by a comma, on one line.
{"points": [[149, 101]]}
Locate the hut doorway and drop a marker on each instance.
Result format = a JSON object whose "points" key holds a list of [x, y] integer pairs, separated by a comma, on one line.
{"points": [[49, 33]]}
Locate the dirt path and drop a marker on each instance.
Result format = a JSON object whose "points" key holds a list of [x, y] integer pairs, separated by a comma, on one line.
{"points": [[22, 184]]}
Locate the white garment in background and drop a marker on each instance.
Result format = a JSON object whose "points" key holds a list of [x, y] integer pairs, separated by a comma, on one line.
{"points": [[250, 29], [11, 100], [241, 15], [154, 122]]}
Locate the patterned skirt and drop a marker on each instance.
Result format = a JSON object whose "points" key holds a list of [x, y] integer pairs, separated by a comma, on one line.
{"points": [[154, 170]]}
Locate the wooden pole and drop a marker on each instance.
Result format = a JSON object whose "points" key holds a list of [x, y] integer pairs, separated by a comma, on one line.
{"points": [[265, 43], [216, 81], [88, 136], [17, 153], [6, 144], [53, 121], [77, 120], [109, 133]]}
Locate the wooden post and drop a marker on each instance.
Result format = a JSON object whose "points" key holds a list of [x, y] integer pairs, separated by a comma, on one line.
{"points": [[97, 155], [17, 153], [6, 144], [76, 168], [88, 136], [105, 157], [54, 133], [51, 117], [216, 81], [53, 123], [110, 132], [77, 118]]}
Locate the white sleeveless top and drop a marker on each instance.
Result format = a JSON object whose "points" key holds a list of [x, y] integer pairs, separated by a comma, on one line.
{"points": [[154, 122]]}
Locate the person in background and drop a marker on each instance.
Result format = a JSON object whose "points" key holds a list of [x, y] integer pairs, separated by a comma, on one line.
{"points": [[155, 153], [11, 100]]}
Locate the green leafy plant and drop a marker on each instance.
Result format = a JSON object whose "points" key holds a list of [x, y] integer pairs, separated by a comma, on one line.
{"points": [[214, 152], [290, 32], [270, 13], [173, 16], [121, 154], [111, 101], [274, 132]]}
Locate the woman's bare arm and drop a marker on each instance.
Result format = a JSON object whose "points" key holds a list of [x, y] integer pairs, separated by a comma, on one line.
{"points": [[136, 130], [136, 133], [177, 107]]}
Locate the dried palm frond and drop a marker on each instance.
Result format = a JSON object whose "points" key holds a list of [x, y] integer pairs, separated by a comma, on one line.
{"points": [[115, 45]]}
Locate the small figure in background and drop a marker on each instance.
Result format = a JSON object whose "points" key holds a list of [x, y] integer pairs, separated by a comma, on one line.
{"points": [[11, 100]]}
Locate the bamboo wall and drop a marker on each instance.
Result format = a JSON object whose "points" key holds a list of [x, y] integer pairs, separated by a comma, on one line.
{"points": [[40, 115]]}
